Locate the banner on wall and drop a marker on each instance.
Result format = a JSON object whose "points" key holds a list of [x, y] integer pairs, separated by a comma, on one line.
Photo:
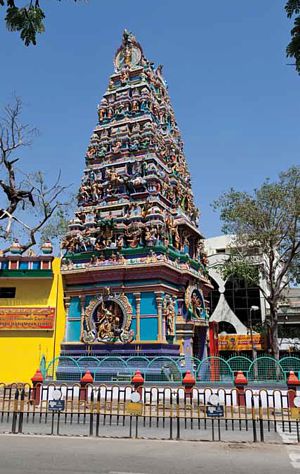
{"points": [[23, 319], [242, 342]]}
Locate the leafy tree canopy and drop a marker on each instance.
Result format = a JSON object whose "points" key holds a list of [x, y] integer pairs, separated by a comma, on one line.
{"points": [[266, 229], [28, 19], [293, 49]]}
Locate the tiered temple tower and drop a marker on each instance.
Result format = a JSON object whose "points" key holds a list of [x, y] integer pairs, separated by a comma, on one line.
{"points": [[134, 269]]}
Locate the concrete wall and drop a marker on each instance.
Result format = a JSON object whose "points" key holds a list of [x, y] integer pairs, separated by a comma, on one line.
{"points": [[21, 351]]}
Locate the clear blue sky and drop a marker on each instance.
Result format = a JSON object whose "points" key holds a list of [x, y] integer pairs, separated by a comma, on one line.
{"points": [[236, 101]]}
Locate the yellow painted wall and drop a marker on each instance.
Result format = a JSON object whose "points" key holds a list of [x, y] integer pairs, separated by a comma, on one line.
{"points": [[21, 351]]}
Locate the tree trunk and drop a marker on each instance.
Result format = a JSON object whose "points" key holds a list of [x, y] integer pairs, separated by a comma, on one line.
{"points": [[273, 332]]}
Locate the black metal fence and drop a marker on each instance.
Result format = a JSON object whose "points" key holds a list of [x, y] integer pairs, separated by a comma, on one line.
{"points": [[161, 413]]}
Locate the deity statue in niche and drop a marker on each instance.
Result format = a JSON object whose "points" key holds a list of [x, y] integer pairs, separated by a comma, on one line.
{"points": [[120, 242], [116, 148], [199, 250], [108, 319], [124, 76], [195, 304], [135, 106], [169, 314], [176, 238], [133, 236], [186, 245], [151, 236]]}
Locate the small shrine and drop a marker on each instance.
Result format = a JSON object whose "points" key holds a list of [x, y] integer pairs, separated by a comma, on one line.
{"points": [[134, 266]]}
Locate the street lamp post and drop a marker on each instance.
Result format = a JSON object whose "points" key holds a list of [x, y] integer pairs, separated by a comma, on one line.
{"points": [[254, 353], [253, 308]]}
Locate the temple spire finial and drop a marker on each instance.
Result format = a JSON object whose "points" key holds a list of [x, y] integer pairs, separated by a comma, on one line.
{"points": [[129, 54]]}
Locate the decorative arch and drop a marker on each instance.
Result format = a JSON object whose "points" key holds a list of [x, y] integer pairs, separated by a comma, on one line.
{"points": [[214, 369], [237, 363], [266, 368], [108, 319], [60, 364], [290, 363]]}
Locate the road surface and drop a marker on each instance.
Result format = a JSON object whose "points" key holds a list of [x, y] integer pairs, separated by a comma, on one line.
{"points": [[61, 455]]}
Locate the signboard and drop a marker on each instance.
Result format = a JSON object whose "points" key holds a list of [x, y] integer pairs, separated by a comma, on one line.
{"points": [[215, 411], [56, 405], [295, 413], [134, 408], [21, 319], [297, 400], [242, 342]]}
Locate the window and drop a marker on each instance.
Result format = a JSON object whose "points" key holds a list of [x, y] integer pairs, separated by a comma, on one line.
{"points": [[240, 296], [23, 265], [289, 330], [4, 265], [7, 292], [36, 265]]}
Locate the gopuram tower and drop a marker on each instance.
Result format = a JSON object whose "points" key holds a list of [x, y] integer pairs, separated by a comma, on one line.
{"points": [[134, 268]]}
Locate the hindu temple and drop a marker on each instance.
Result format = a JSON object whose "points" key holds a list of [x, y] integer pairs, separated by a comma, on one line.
{"points": [[134, 268]]}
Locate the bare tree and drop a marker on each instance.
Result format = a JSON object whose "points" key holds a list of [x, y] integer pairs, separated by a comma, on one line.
{"points": [[23, 192]]}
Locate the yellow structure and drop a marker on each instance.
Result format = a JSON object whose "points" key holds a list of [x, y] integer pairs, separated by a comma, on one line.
{"points": [[32, 315]]}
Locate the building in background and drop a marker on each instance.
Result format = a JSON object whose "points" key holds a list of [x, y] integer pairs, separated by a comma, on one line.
{"points": [[32, 316], [237, 306], [289, 322]]}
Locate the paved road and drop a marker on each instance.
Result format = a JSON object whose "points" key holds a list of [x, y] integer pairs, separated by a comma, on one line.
{"points": [[25, 454]]}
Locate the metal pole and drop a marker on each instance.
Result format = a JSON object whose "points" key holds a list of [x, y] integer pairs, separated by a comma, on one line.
{"points": [[251, 334], [254, 353], [253, 421]]}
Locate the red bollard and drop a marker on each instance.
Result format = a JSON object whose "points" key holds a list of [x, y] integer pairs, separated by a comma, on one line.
{"points": [[84, 381], [240, 382], [188, 382], [37, 383], [292, 383], [138, 381]]}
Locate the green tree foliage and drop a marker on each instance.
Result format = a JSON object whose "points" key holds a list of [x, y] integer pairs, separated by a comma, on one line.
{"points": [[27, 19], [266, 226], [293, 49]]}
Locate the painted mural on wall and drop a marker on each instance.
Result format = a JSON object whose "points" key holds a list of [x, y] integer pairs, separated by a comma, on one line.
{"points": [[195, 305], [108, 319]]}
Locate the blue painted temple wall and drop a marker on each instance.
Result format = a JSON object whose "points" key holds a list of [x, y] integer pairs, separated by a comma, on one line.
{"points": [[73, 320], [148, 317], [148, 328], [148, 303]]}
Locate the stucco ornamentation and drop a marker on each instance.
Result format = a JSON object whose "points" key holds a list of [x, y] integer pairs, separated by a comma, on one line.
{"points": [[108, 319]]}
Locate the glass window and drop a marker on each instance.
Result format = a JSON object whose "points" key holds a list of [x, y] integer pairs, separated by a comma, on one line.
{"points": [[8, 292]]}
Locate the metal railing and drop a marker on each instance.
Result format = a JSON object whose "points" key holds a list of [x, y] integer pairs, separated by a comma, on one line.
{"points": [[162, 412], [171, 370]]}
